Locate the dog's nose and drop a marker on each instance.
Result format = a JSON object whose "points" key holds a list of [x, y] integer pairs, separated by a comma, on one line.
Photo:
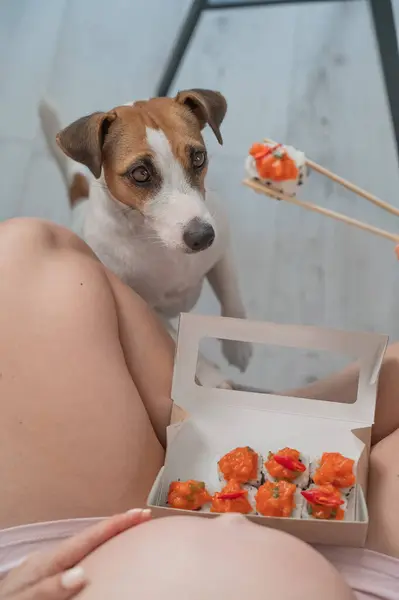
{"points": [[198, 235]]}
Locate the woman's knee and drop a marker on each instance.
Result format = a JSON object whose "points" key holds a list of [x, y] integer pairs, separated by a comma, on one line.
{"points": [[31, 233], [46, 269], [30, 238], [40, 255]]}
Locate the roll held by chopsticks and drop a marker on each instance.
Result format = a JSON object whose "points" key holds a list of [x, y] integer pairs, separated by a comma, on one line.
{"points": [[278, 171]]}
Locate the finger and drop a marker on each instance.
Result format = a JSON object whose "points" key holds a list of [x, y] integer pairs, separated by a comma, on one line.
{"points": [[58, 587], [73, 550]]}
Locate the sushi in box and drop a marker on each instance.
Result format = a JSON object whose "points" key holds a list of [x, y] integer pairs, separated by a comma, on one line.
{"points": [[280, 499], [326, 502], [289, 463], [334, 469], [234, 497], [242, 464]]}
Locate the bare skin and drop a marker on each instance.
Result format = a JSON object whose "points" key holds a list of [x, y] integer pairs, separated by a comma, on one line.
{"points": [[85, 392], [85, 381], [56, 574], [383, 489], [211, 559]]}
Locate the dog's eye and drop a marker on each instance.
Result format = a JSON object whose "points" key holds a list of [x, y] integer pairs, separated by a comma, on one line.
{"points": [[199, 158], [140, 174]]}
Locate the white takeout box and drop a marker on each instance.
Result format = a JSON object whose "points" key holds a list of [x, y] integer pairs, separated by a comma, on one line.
{"points": [[219, 420]]}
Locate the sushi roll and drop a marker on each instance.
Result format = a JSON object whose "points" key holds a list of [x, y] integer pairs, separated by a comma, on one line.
{"points": [[335, 469], [234, 498], [325, 502], [279, 499], [188, 495], [287, 464], [282, 168], [242, 464]]}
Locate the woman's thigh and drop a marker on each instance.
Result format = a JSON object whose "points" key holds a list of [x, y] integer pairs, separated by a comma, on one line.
{"points": [[383, 491], [383, 488], [76, 438], [383, 496]]}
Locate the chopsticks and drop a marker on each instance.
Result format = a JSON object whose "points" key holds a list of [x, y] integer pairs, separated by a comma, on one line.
{"points": [[259, 187]]}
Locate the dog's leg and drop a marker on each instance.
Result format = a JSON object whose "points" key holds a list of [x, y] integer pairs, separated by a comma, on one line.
{"points": [[208, 374], [223, 280]]}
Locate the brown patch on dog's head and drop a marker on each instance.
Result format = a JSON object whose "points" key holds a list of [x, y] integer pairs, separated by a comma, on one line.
{"points": [[126, 147], [83, 140], [116, 143], [208, 107]]}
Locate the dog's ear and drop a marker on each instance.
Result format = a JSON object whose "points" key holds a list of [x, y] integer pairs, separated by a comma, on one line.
{"points": [[208, 106], [83, 140]]}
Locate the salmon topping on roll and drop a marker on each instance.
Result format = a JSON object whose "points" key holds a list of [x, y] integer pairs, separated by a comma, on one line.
{"points": [[240, 464], [285, 464], [232, 498], [276, 499], [324, 502], [273, 162], [188, 495], [336, 470]]}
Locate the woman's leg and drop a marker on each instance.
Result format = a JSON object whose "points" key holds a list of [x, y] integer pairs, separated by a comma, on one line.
{"points": [[383, 495], [383, 491], [342, 387], [85, 373]]}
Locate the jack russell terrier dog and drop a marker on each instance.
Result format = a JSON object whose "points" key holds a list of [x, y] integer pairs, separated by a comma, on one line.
{"points": [[146, 213]]}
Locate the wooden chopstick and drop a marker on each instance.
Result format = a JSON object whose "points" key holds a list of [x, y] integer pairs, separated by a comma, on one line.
{"points": [[261, 188], [348, 185]]}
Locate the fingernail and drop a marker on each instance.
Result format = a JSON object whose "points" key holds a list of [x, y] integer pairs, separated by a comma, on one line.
{"points": [[73, 578], [145, 513], [135, 511]]}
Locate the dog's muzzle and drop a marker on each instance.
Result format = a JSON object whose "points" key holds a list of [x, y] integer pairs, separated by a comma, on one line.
{"points": [[198, 235]]}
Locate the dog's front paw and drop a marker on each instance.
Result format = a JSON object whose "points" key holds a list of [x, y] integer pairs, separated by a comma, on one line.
{"points": [[237, 353]]}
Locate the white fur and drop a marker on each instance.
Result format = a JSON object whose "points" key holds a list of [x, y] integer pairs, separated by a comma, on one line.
{"points": [[177, 203], [51, 125], [145, 250]]}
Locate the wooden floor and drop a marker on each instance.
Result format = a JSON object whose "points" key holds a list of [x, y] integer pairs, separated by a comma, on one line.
{"points": [[306, 74]]}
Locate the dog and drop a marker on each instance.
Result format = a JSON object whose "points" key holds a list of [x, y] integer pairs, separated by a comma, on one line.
{"points": [[146, 212]]}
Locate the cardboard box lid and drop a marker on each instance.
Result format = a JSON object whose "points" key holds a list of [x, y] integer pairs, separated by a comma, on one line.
{"points": [[196, 400]]}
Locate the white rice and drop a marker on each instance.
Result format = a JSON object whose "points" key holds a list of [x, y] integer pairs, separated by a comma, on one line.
{"points": [[251, 497]]}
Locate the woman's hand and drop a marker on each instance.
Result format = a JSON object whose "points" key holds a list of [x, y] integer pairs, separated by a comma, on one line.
{"points": [[56, 575]]}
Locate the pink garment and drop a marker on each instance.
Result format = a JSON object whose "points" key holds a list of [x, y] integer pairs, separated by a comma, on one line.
{"points": [[372, 576], [17, 543]]}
